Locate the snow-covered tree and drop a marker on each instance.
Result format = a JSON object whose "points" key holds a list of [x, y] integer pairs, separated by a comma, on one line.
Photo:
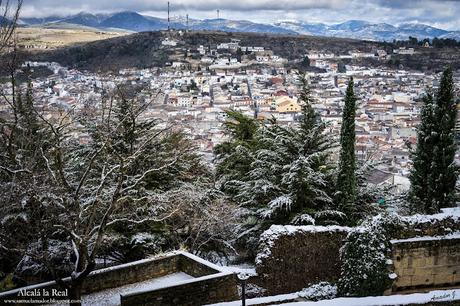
{"points": [[234, 156], [421, 191], [75, 192], [203, 220], [279, 174], [346, 179], [288, 177], [366, 255], [445, 171], [434, 173]]}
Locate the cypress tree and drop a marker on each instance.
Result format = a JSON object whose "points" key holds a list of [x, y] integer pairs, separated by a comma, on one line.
{"points": [[420, 195], [346, 180], [445, 171], [434, 172]]}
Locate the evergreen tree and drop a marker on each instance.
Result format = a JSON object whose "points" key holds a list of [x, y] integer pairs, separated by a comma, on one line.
{"points": [[306, 61], [346, 180], [420, 195], [126, 112], [289, 175], [444, 172], [234, 157], [434, 172]]}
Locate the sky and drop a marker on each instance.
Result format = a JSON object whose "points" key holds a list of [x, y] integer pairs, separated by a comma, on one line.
{"points": [[440, 13]]}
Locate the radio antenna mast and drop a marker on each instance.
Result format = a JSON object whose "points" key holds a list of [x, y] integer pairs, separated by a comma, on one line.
{"points": [[168, 18], [187, 22]]}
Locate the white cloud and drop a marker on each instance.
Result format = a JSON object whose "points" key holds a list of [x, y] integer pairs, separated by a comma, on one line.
{"points": [[434, 12]]}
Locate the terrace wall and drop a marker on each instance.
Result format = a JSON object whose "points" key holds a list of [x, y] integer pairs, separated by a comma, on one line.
{"points": [[292, 257], [205, 290], [425, 263], [218, 285]]}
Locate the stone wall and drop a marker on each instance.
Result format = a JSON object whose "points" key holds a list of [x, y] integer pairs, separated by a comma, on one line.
{"points": [[425, 262], [134, 272], [112, 277], [195, 268], [205, 290], [292, 257], [147, 269]]}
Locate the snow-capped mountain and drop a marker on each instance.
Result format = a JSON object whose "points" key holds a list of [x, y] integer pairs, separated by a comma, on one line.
{"points": [[301, 27], [372, 31], [133, 21], [356, 29], [237, 26]]}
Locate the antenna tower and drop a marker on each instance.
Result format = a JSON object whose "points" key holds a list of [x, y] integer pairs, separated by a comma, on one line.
{"points": [[168, 17]]}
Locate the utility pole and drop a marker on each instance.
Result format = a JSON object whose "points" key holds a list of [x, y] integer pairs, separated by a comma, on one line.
{"points": [[218, 11]]}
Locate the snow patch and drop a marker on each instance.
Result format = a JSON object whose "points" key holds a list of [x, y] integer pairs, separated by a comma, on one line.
{"points": [[111, 297], [393, 276], [262, 300], [455, 235], [320, 291], [416, 298]]}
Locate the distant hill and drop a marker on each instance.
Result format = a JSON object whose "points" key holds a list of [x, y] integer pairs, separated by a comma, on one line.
{"points": [[133, 22], [136, 22], [357, 29], [85, 19], [144, 50]]}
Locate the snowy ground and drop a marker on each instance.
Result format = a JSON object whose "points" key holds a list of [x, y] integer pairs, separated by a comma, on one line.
{"points": [[111, 297], [416, 298]]}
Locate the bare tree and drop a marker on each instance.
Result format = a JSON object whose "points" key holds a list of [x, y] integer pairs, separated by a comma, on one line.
{"points": [[85, 188], [197, 220], [9, 15]]}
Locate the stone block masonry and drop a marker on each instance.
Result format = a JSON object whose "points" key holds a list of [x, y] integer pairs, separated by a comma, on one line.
{"points": [[211, 283], [209, 289], [426, 262]]}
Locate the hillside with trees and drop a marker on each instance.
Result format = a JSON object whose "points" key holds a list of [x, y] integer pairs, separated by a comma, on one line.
{"points": [[144, 50]]}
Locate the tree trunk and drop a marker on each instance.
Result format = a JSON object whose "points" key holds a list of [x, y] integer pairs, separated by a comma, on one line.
{"points": [[75, 294]]}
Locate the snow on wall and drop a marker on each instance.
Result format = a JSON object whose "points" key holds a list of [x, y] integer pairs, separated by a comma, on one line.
{"points": [[446, 213], [455, 235], [269, 237], [292, 257]]}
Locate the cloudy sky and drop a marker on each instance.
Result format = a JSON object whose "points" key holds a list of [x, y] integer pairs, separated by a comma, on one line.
{"points": [[441, 13]]}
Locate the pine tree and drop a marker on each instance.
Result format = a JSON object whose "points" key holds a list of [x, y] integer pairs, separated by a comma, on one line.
{"points": [[346, 180], [444, 172], [234, 157], [312, 128], [290, 174], [420, 195]]}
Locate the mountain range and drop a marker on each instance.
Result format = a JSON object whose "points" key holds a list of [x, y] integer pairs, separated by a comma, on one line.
{"points": [[357, 29]]}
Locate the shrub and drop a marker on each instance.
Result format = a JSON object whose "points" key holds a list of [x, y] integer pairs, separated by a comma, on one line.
{"points": [[365, 256], [320, 291]]}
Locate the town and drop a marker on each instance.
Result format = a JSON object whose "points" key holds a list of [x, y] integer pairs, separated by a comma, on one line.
{"points": [[196, 89], [191, 160]]}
